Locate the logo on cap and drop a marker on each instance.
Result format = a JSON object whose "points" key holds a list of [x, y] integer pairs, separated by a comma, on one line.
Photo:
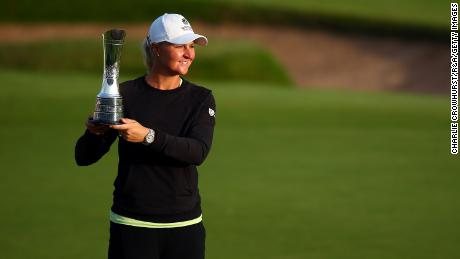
{"points": [[187, 26]]}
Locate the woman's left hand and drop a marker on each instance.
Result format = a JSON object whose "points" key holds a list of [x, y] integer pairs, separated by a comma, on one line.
{"points": [[131, 130]]}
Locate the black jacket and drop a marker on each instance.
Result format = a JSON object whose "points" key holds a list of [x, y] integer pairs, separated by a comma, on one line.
{"points": [[158, 183]]}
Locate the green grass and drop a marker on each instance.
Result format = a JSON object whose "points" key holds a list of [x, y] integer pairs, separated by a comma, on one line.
{"points": [[406, 18], [427, 12], [292, 173], [221, 60]]}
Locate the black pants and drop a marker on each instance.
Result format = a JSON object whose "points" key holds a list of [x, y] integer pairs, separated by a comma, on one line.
{"points": [[128, 242]]}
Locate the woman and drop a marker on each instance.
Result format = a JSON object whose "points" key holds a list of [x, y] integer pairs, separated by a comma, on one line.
{"points": [[167, 131]]}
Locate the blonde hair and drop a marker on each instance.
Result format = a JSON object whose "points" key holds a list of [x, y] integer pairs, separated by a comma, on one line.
{"points": [[147, 53]]}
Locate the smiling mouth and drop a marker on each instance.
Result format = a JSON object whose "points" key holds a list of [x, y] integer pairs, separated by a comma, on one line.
{"points": [[185, 62]]}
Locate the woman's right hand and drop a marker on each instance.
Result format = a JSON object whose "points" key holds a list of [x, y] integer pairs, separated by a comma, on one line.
{"points": [[96, 129]]}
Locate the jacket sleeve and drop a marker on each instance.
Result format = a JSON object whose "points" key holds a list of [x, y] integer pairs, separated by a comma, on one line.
{"points": [[90, 148], [195, 146]]}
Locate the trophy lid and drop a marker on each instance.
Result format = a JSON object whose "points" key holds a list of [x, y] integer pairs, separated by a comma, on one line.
{"points": [[114, 35]]}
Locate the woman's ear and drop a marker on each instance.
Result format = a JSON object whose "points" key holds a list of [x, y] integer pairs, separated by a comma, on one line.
{"points": [[155, 49]]}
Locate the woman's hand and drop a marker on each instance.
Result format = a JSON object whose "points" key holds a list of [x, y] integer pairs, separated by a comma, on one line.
{"points": [[131, 130], [96, 129]]}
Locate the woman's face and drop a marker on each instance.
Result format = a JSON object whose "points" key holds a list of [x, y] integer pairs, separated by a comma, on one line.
{"points": [[174, 59]]}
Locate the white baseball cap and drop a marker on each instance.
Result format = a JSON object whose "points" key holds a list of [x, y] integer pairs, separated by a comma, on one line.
{"points": [[174, 28]]}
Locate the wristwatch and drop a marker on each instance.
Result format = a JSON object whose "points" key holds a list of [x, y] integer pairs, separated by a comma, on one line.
{"points": [[149, 138]]}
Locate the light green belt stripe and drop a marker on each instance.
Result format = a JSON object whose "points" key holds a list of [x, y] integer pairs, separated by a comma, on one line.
{"points": [[115, 218]]}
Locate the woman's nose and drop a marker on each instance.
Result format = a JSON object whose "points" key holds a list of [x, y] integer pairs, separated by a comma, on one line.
{"points": [[189, 52]]}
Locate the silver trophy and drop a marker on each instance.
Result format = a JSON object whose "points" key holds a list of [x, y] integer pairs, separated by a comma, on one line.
{"points": [[109, 103]]}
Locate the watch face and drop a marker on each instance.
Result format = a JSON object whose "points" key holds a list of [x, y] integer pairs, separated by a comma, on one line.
{"points": [[149, 138]]}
